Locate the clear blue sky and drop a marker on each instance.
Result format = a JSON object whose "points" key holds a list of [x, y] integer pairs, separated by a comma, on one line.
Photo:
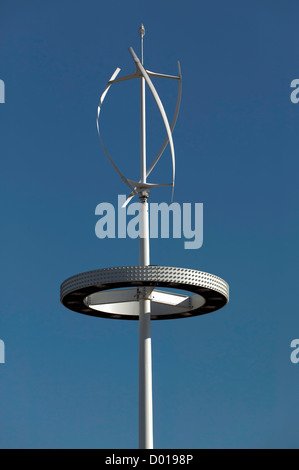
{"points": [[223, 380]]}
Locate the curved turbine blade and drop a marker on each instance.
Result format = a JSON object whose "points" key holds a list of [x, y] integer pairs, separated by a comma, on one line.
{"points": [[128, 200], [124, 179], [161, 109], [172, 126], [173, 123]]}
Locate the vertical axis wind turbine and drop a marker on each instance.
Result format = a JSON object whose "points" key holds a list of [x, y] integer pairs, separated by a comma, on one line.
{"points": [[131, 292]]}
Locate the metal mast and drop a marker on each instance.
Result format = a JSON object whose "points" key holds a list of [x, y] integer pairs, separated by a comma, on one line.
{"points": [[145, 346]]}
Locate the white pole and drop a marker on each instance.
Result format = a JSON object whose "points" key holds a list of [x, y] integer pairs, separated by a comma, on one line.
{"points": [[145, 347]]}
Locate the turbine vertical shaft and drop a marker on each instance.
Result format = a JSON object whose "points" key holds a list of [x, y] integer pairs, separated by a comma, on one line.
{"points": [[142, 116]]}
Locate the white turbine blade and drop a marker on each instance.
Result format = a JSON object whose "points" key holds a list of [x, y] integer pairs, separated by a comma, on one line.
{"points": [[174, 119], [161, 109], [106, 89], [124, 179], [173, 123], [128, 200]]}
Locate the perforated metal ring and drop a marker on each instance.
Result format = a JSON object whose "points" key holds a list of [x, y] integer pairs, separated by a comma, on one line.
{"points": [[214, 291]]}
